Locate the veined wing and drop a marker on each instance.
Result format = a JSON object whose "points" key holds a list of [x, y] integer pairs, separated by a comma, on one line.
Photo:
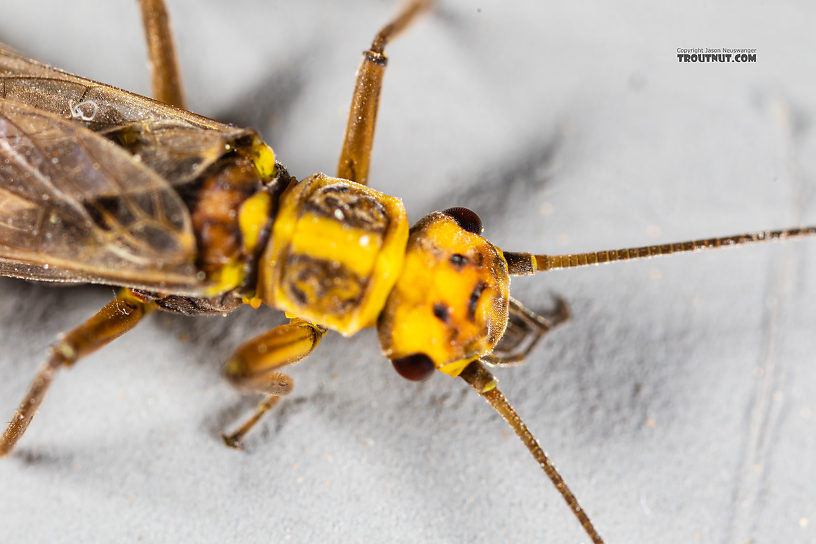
{"points": [[174, 143], [74, 206]]}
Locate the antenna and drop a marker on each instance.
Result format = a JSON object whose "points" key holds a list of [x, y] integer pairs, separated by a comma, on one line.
{"points": [[480, 379], [523, 264]]}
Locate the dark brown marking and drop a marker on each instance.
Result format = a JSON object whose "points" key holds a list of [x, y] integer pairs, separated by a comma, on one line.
{"points": [[215, 212], [474, 300], [192, 306], [458, 260], [352, 208], [326, 286], [441, 311]]}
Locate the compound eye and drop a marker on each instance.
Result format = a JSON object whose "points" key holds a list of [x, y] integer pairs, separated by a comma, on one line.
{"points": [[466, 219], [416, 367]]}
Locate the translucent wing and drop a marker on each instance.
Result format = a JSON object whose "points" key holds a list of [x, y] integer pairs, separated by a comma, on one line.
{"points": [[86, 180], [75, 206], [174, 143]]}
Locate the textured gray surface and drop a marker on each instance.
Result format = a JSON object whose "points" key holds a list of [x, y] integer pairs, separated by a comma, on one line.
{"points": [[680, 402]]}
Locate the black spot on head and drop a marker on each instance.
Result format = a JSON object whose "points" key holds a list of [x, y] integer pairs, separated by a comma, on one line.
{"points": [[474, 300], [458, 260], [441, 311]]}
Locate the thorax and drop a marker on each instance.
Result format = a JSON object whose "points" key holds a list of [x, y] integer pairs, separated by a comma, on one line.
{"points": [[335, 251]]}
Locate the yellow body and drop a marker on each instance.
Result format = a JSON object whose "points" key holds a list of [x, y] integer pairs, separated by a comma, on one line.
{"points": [[335, 252], [451, 300], [340, 256], [253, 217]]}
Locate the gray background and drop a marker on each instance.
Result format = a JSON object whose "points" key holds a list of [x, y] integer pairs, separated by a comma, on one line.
{"points": [[679, 403]]}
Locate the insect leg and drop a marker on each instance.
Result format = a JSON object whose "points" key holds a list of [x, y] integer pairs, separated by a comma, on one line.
{"points": [[113, 320], [254, 367], [164, 69], [356, 154], [524, 329]]}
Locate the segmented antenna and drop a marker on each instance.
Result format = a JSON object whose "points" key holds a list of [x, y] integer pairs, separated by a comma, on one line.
{"points": [[480, 379], [521, 264], [408, 13]]}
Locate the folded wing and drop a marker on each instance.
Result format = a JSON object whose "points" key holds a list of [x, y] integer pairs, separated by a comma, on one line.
{"points": [[88, 178], [75, 206]]}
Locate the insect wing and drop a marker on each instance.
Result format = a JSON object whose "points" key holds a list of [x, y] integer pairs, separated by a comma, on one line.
{"points": [[176, 144], [75, 206]]}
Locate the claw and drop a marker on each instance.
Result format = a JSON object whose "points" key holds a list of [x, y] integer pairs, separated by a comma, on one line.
{"points": [[232, 440], [562, 310]]}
